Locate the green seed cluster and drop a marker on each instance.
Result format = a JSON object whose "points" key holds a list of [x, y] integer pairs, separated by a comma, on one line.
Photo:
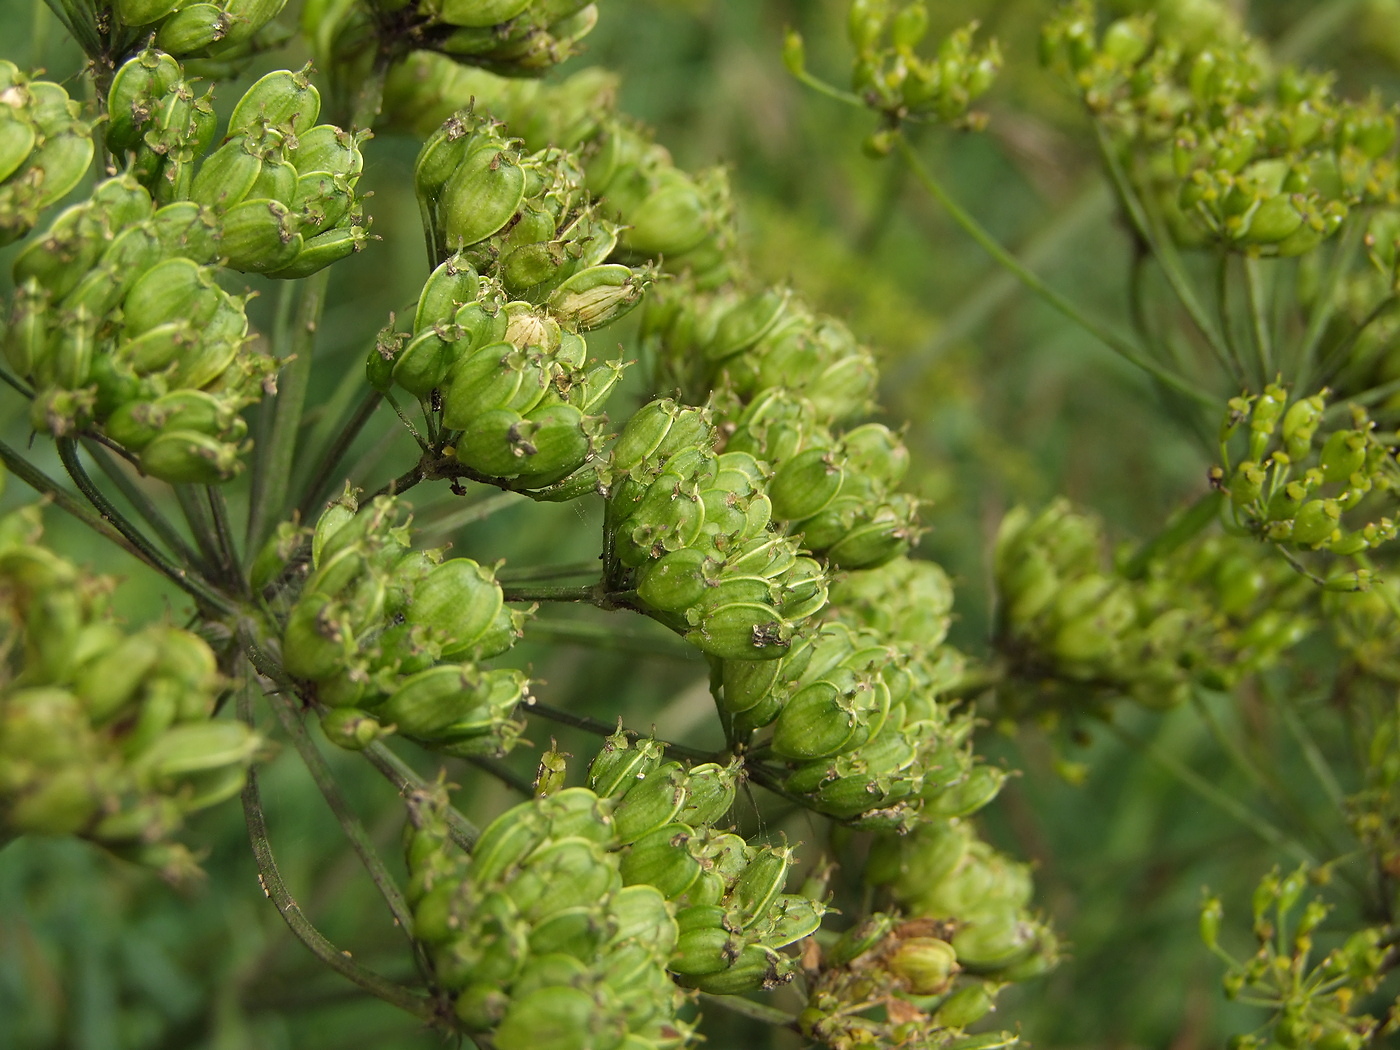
{"points": [[536, 935], [667, 214], [158, 124], [282, 186], [226, 30], [104, 733], [1293, 486], [1316, 1004], [857, 722], [392, 637], [118, 320], [508, 381], [514, 38], [1260, 161], [1076, 632], [837, 493], [689, 529], [45, 149], [892, 77], [942, 871], [909, 964], [732, 915]]}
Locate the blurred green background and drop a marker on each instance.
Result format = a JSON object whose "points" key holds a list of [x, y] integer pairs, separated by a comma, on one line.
{"points": [[1004, 401]]}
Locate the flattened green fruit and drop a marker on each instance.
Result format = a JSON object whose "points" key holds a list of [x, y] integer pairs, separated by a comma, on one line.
{"points": [[743, 631], [457, 601], [479, 14], [481, 196]]}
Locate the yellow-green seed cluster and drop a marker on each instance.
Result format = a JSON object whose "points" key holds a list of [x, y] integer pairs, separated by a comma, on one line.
{"points": [[391, 637], [104, 732], [118, 320], [1301, 486], [689, 530], [1260, 160], [45, 148], [535, 934]]}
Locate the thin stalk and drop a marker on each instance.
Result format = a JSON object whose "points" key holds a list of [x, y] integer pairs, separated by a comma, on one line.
{"points": [[136, 540], [1254, 296], [737, 1004], [1119, 345], [1312, 754], [350, 824], [403, 482], [478, 511], [201, 523], [496, 768], [321, 481], [163, 527], [276, 890], [603, 729], [9, 380], [399, 773], [547, 572], [1326, 303], [1162, 249], [597, 636], [1336, 360], [823, 88], [228, 548], [1222, 290], [272, 467], [1221, 800], [592, 593]]}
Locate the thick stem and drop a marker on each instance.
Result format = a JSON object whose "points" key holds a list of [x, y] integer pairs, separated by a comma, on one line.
{"points": [[593, 593], [272, 468]]}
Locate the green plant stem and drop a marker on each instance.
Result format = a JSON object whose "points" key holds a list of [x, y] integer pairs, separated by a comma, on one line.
{"points": [[1162, 249], [603, 729], [350, 824], [1119, 345], [598, 636], [1221, 800], [201, 522], [272, 466], [1222, 290], [1325, 305], [531, 573], [145, 507], [136, 540], [474, 512], [737, 1004], [399, 773], [1312, 754], [276, 890], [322, 481], [228, 547], [1254, 296], [821, 87], [593, 593], [1337, 358]]}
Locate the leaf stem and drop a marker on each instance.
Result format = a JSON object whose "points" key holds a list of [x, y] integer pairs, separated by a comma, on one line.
{"points": [[163, 527], [399, 773], [753, 1011], [1118, 344], [228, 548], [1221, 800]]}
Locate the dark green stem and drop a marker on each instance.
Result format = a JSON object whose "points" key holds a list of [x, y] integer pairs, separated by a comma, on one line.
{"points": [[201, 523], [136, 540], [496, 768], [350, 824], [399, 773], [276, 890], [228, 547], [1118, 344], [616, 639], [592, 593], [144, 506]]}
